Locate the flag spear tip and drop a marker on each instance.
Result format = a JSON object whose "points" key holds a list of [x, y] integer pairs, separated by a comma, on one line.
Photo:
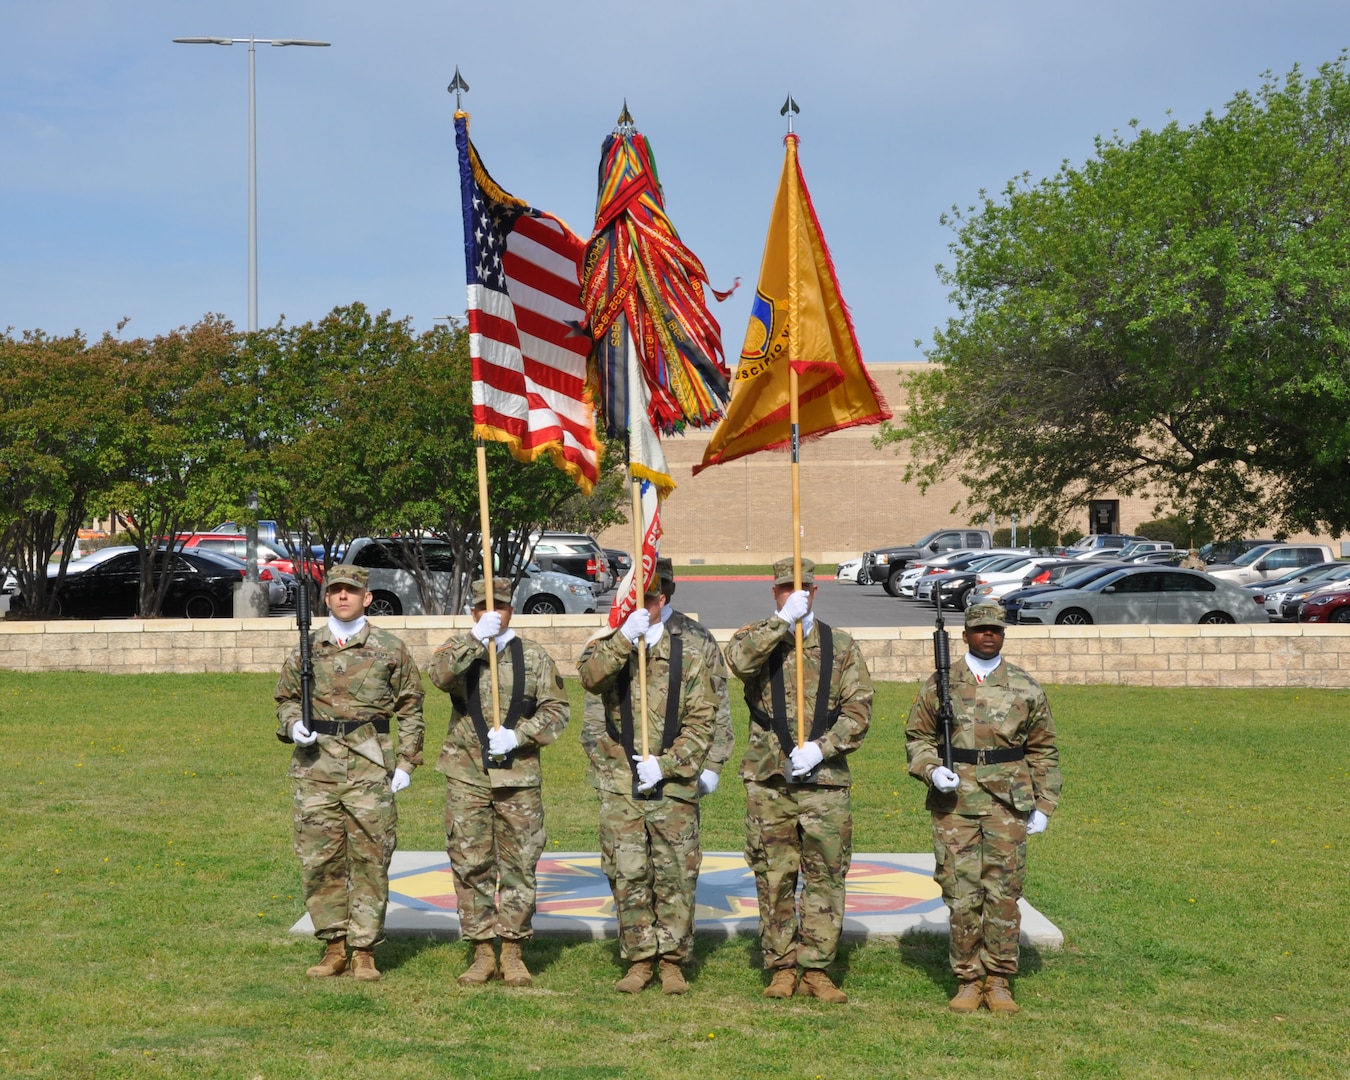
{"points": [[625, 118], [457, 87], [790, 108]]}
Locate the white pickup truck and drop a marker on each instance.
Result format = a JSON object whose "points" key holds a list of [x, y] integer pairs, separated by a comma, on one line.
{"points": [[1270, 561]]}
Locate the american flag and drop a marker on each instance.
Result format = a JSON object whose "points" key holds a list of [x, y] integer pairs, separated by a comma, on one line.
{"points": [[529, 359]]}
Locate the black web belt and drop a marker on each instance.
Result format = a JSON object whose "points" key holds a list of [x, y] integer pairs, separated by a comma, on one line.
{"points": [[823, 717], [623, 735], [342, 727], [986, 757], [520, 707]]}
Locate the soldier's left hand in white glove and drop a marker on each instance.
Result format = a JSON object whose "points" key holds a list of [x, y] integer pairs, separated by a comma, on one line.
{"points": [[399, 781], [302, 736], [501, 741], [805, 758], [707, 782], [649, 772], [1036, 823], [945, 780]]}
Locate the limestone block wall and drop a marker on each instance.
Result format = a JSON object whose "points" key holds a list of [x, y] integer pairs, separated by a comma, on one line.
{"points": [[1271, 654]]}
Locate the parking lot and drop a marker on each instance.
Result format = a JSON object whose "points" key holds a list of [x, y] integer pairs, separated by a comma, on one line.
{"points": [[722, 603]]}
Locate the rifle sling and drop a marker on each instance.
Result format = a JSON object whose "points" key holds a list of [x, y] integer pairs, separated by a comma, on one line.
{"points": [[623, 683]]}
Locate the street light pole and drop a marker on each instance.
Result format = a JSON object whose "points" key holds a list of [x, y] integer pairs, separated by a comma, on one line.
{"points": [[253, 599]]}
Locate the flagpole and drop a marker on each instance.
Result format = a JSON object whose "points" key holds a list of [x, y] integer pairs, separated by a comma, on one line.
{"points": [[793, 328], [487, 576], [639, 573]]}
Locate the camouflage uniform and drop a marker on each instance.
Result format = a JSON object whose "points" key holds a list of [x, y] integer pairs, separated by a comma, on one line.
{"points": [[792, 827], [979, 831], [724, 736], [649, 840], [494, 813], [345, 817]]}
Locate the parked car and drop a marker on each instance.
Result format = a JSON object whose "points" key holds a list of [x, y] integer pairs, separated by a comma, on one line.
{"points": [[1072, 574], [948, 562], [106, 583], [620, 562], [1271, 561], [954, 588], [1227, 551], [925, 579], [539, 592], [996, 584], [1296, 582], [1136, 548], [1324, 607], [576, 554], [848, 571], [1284, 604], [236, 544], [883, 566], [1093, 541], [1146, 594]]}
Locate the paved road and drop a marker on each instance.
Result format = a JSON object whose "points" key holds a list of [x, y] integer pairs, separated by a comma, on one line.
{"points": [[731, 604]]}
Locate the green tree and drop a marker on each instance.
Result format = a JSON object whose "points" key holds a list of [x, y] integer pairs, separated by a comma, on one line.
{"points": [[56, 452], [1169, 319], [174, 443]]}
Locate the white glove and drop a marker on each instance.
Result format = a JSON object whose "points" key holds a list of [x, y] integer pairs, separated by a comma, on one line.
{"points": [[945, 780], [807, 756], [488, 626], [707, 782], [399, 782], [795, 607], [501, 741], [636, 624], [302, 736], [1036, 823], [649, 772]]}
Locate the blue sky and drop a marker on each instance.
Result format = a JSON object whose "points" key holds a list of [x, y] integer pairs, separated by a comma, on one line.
{"points": [[124, 179]]}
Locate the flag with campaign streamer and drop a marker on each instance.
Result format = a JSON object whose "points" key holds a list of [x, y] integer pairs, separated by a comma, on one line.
{"points": [[643, 292], [798, 320], [529, 356]]}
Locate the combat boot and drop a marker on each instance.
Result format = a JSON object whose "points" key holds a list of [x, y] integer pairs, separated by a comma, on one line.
{"points": [[483, 968], [672, 978], [334, 960], [998, 997], [363, 965], [639, 975], [783, 984], [514, 970], [815, 983], [968, 997]]}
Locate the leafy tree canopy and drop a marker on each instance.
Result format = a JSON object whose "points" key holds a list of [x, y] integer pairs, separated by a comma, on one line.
{"points": [[1169, 319]]}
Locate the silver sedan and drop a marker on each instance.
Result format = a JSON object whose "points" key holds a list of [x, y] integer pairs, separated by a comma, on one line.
{"points": [[1147, 594]]}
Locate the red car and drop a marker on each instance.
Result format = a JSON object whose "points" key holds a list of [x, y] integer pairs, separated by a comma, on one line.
{"points": [[1324, 607], [237, 545]]}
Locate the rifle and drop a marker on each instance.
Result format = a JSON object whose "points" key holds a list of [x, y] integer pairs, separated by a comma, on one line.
{"points": [[942, 656], [302, 617]]}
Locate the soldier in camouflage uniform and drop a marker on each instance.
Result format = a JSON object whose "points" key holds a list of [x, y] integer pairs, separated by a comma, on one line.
{"points": [[649, 806], [494, 811], [1004, 784], [798, 815], [365, 743]]}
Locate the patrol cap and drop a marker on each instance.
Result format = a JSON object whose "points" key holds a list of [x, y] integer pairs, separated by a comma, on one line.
{"points": [[346, 574], [985, 613], [665, 576], [501, 592], [782, 572]]}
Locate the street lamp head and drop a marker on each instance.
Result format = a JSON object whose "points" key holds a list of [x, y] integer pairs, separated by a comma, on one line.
{"points": [[300, 41], [202, 41]]}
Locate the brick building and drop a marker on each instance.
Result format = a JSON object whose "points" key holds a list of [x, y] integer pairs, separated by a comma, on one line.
{"points": [[852, 498]]}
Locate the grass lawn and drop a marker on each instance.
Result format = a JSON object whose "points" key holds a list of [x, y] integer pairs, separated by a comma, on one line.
{"points": [[1197, 867]]}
